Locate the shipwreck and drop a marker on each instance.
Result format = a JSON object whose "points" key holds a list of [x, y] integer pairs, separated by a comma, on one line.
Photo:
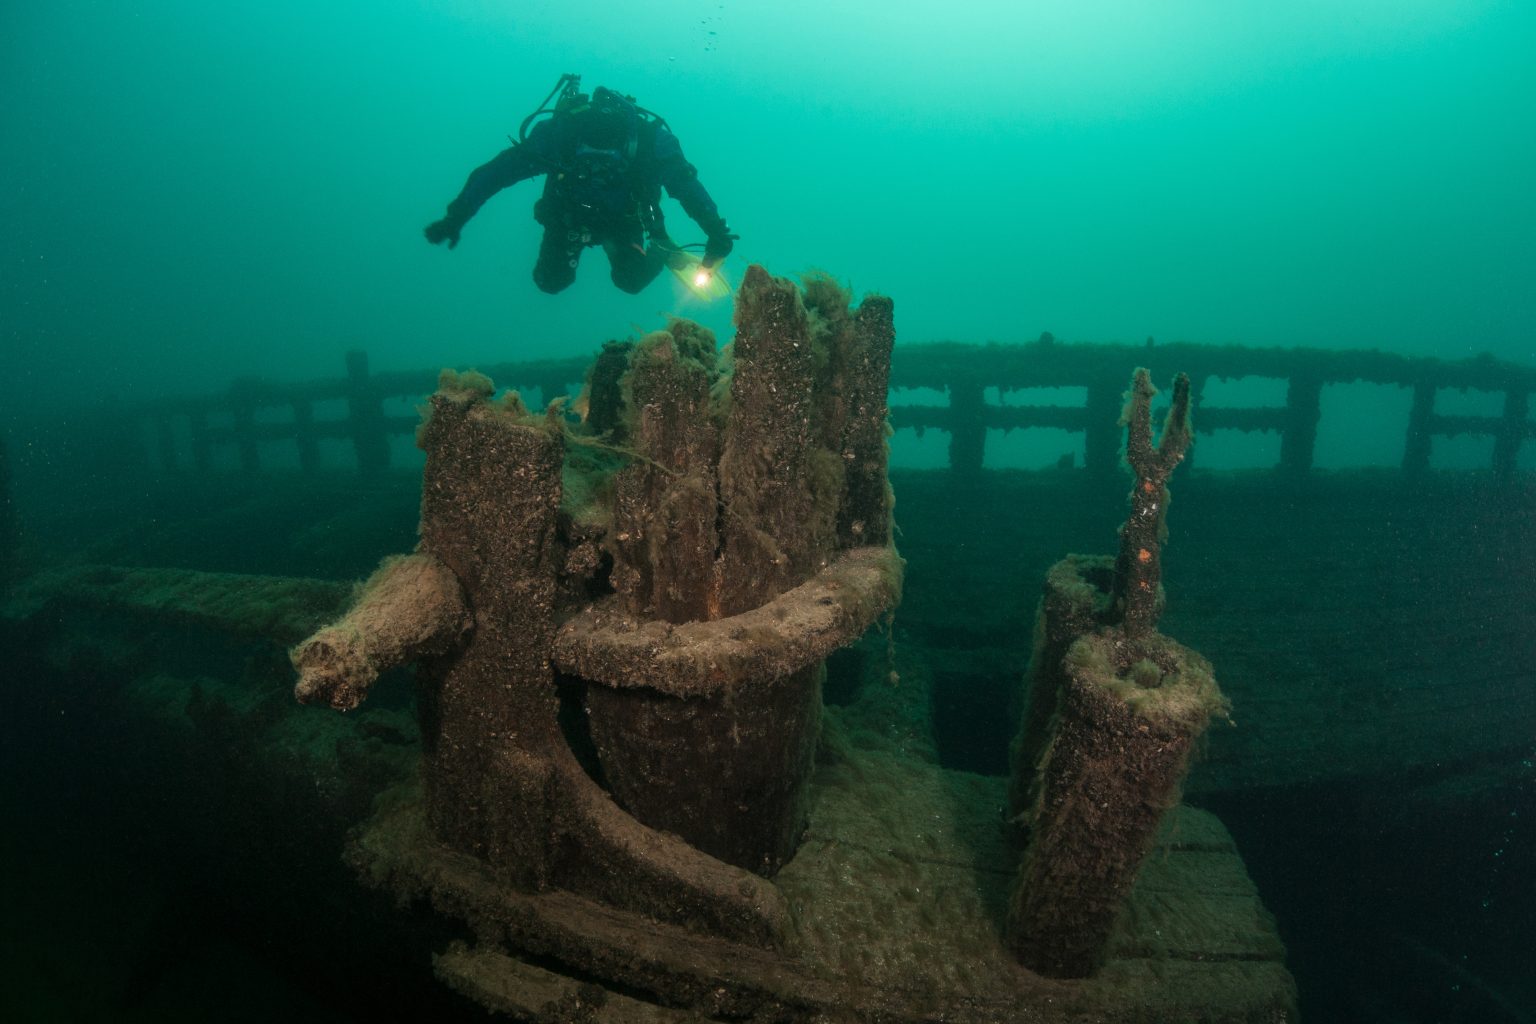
{"points": [[627, 789], [632, 735]]}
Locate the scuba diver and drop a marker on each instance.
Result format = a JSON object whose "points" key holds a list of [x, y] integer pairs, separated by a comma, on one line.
{"points": [[605, 162]]}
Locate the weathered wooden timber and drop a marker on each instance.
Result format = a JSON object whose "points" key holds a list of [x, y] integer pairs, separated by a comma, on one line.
{"points": [[280, 608], [411, 608]]}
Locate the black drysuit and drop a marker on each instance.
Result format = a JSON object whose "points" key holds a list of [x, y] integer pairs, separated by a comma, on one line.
{"points": [[604, 173]]}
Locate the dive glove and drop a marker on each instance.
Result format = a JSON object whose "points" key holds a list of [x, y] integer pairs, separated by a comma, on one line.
{"points": [[719, 245], [445, 230]]}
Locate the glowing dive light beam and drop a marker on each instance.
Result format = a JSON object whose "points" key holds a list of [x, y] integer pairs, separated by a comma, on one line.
{"points": [[705, 282]]}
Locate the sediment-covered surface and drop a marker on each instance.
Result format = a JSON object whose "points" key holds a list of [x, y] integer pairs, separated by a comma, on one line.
{"points": [[898, 896]]}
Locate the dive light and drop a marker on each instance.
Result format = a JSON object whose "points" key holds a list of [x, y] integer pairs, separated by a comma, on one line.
{"points": [[704, 281]]}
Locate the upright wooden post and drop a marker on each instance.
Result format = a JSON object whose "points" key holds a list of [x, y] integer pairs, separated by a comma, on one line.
{"points": [[865, 362], [1138, 590], [1416, 448], [770, 538], [605, 393], [489, 504], [1303, 408], [366, 416], [304, 434], [967, 428], [1513, 429], [1101, 441], [245, 427], [1196, 399], [666, 504]]}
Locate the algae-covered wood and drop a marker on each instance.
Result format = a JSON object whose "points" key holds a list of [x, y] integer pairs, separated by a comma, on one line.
{"points": [[898, 897]]}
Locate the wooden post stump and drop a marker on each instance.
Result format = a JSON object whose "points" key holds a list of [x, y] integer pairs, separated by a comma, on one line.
{"points": [[1127, 715], [1075, 600], [490, 494]]}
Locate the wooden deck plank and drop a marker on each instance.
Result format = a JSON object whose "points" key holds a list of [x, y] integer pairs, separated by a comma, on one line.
{"points": [[898, 897]]}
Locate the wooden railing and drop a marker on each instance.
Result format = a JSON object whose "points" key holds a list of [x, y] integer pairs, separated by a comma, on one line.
{"points": [[366, 425], [964, 372]]}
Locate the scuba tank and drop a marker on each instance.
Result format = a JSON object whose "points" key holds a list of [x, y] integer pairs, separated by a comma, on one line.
{"points": [[594, 180], [592, 174], [569, 88], [572, 100]]}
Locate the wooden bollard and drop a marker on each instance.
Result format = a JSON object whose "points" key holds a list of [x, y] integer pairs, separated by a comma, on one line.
{"points": [[1127, 717]]}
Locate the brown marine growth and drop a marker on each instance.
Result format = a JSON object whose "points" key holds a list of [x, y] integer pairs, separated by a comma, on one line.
{"points": [[738, 499], [489, 500], [1127, 717], [1075, 599], [604, 395], [410, 608], [664, 532], [646, 746], [280, 608], [853, 350], [774, 527], [1138, 596], [500, 782], [1113, 711]]}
